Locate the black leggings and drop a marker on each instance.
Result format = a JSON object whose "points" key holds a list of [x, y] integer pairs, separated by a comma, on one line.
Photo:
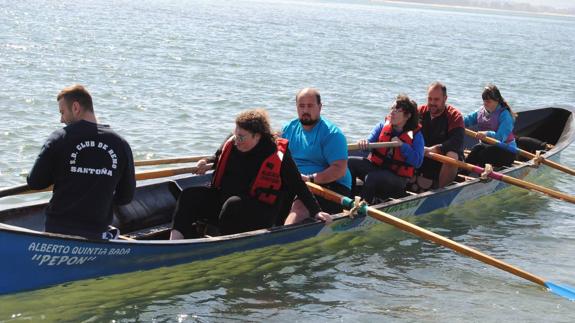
{"points": [[482, 154], [377, 181], [232, 215]]}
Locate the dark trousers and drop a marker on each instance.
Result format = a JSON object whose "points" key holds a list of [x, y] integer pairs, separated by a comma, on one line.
{"points": [[231, 215], [430, 169], [377, 181], [531, 145], [482, 154]]}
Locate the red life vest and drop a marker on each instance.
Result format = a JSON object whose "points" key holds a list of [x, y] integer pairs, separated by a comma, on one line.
{"points": [[393, 159], [267, 184]]}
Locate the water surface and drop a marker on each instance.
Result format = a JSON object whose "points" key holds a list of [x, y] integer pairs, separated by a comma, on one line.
{"points": [[170, 75]]}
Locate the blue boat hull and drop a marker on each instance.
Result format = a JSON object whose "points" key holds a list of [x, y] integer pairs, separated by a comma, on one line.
{"points": [[35, 260], [38, 260]]}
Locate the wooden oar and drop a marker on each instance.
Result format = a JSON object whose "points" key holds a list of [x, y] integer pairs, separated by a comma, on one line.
{"points": [[14, 190], [140, 176], [501, 177], [151, 174], [193, 159], [564, 291], [373, 145], [522, 152], [175, 160]]}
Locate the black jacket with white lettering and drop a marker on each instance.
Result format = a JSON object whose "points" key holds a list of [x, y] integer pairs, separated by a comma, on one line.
{"points": [[91, 168]]}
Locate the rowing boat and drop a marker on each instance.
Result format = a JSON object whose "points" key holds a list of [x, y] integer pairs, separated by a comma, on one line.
{"points": [[34, 259]]}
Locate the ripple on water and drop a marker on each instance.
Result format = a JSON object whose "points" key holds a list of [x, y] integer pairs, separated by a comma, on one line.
{"points": [[174, 89]]}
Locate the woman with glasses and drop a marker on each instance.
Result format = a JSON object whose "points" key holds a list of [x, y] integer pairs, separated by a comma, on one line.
{"points": [[494, 119], [254, 170], [385, 171]]}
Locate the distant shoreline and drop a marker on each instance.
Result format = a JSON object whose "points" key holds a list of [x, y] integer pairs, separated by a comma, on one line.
{"points": [[439, 5]]}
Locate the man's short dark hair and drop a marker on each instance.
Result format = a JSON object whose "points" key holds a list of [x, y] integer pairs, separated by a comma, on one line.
{"points": [[440, 85], [316, 92], [77, 93]]}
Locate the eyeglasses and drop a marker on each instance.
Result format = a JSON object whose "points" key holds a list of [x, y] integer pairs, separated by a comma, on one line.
{"points": [[241, 138]]}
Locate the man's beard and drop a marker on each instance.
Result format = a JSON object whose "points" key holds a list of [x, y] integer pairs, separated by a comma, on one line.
{"points": [[435, 110], [308, 121]]}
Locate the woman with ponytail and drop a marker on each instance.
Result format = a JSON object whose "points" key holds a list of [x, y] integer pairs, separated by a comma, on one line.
{"points": [[494, 119]]}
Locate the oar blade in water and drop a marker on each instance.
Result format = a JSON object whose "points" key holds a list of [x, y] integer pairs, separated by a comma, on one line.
{"points": [[563, 291]]}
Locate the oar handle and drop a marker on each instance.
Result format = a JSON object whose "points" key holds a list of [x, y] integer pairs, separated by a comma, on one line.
{"points": [[522, 152], [489, 140], [501, 177], [427, 235], [373, 145], [151, 174], [175, 160]]}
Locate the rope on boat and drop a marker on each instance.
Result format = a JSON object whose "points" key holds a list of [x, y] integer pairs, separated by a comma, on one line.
{"points": [[358, 206], [486, 172], [538, 159]]}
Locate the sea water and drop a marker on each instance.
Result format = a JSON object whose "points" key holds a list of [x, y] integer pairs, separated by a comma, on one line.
{"points": [[170, 75]]}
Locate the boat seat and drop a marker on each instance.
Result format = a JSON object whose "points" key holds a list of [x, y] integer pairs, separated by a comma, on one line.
{"points": [[152, 205], [162, 231], [150, 232], [464, 178]]}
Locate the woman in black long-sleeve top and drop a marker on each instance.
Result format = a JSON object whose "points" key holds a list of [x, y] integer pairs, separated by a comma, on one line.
{"points": [[253, 175]]}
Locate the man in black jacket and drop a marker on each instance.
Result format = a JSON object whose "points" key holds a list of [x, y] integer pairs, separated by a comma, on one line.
{"points": [[90, 166]]}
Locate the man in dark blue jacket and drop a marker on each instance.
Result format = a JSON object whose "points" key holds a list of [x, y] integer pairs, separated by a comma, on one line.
{"points": [[90, 166]]}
